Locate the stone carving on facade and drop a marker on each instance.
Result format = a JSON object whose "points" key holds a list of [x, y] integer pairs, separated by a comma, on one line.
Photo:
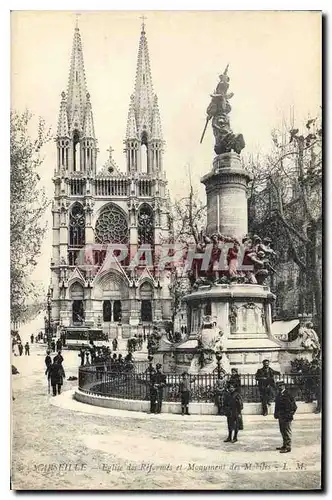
{"points": [[309, 338], [250, 253], [232, 317], [89, 204], [218, 111], [211, 342]]}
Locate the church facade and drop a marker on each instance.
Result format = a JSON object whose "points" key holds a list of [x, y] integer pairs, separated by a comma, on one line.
{"points": [[94, 208]]}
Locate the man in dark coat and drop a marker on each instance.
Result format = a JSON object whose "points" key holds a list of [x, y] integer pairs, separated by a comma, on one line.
{"points": [[82, 356], [158, 381], [59, 358], [31, 338], [185, 393], [56, 375], [58, 345], [285, 407], [265, 379], [27, 349], [20, 348], [115, 344], [235, 379], [233, 407], [48, 359]]}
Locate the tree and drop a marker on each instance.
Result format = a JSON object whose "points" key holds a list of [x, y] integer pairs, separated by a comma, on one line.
{"points": [[28, 204], [286, 199], [188, 217]]}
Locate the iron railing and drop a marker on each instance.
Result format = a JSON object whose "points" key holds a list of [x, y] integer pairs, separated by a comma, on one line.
{"points": [[133, 382]]}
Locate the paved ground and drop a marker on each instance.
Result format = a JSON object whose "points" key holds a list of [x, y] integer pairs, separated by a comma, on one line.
{"points": [[67, 445]]}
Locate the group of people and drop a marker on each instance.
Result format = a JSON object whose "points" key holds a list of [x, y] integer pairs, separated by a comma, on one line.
{"points": [[104, 360], [20, 348], [229, 401], [135, 343]]}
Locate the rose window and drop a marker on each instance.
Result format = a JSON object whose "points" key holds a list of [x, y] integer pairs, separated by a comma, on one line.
{"points": [[111, 226]]}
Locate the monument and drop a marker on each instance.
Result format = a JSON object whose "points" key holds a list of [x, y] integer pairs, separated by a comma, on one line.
{"points": [[229, 309]]}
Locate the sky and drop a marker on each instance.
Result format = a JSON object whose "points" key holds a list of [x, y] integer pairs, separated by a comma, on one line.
{"points": [[274, 66]]}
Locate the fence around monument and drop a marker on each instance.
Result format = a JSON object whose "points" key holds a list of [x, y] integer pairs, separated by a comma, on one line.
{"points": [[135, 384]]}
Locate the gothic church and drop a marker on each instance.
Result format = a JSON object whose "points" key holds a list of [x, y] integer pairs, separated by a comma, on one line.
{"points": [[105, 205]]}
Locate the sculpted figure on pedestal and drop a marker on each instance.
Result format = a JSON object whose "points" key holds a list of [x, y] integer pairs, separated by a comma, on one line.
{"points": [[218, 110]]}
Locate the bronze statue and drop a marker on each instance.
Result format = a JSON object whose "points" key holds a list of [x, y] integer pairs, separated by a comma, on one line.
{"points": [[218, 110]]}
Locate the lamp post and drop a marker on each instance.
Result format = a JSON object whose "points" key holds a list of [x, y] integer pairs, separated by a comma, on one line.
{"points": [[49, 309], [219, 358]]}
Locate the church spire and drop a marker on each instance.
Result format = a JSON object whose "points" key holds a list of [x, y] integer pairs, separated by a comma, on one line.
{"points": [[143, 135], [77, 90], [143, 93], [77, 145]]}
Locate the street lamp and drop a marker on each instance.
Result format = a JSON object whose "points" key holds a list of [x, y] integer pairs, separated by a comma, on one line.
{"points": [[49, 309], [219, 358]]}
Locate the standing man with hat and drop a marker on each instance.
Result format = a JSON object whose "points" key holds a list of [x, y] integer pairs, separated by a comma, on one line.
{"points": [[265, 379], [159, 382], [285, 407]]}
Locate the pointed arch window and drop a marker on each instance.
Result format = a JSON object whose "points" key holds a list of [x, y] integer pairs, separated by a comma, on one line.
{"points": [[144, 153], [77, 226], [145, 225], [76, 152]]}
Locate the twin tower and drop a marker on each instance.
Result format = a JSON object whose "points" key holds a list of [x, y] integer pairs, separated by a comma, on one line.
{"points": [[94, 207]]}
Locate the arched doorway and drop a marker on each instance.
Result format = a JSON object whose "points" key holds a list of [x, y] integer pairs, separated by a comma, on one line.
{"points": [[77, 305], [146, 296]]}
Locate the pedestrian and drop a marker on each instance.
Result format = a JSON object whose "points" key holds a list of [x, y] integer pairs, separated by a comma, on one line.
{"points": [[115, 344], [315, 374], [285, 407], [59, 358], [52, 345], [235, 379], [120, 363], [219, 391], [27, 349], [56, 374], [82, 356], [140, 341], [265, 378], [31, 338], [185, 393], [48, 359], [63, 339], [58, 345], [20, 348], [159, 382], [233, 407]]}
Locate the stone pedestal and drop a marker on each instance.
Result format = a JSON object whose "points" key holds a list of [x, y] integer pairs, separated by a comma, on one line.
{"points": [[226, 192], [243, 312]]}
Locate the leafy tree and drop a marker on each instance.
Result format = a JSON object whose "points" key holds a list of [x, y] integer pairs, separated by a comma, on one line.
{"points": [[286, 199], [188, 217], [28, 204]]}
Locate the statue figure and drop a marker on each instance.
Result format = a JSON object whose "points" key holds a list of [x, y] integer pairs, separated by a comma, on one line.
{"points": [[309, 338], [218, 110], [209, 334], [220, 344], [232, 259]]}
